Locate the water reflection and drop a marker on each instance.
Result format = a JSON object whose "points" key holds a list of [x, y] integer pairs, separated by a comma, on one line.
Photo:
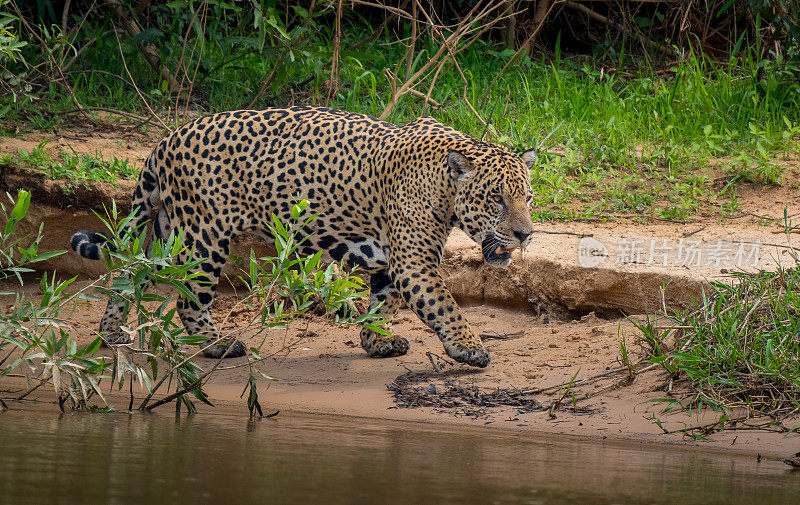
{"points": [[46, 457]]}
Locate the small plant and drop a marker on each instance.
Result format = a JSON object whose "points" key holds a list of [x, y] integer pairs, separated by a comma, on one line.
{"points": [[133, 269], [288, 286], [77, 168], [12, 83], [280, 290]]}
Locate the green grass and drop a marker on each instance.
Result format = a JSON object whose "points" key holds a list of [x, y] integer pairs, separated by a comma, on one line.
{"points": [[635, 142], [76, 168], [738, 350]]}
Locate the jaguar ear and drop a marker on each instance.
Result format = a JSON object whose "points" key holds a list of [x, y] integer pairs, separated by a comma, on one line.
{"points": [[529, 157], [459, 165]]}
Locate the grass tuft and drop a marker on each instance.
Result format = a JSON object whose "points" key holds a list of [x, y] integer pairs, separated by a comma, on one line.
{"points": [[739, 350], [75, 167]]}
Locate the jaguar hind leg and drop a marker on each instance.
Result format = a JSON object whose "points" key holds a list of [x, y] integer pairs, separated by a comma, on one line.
{"points": [[381, 346], [196, 317]]}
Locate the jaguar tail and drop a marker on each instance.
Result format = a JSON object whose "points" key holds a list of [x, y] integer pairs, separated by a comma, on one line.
{"points": [[146, 197]]}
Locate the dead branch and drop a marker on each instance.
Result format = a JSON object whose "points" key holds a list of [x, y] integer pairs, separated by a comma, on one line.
{"points": [[524, 47], [431, 86], [333, 83], [412, 46], [80, 51], [138, 91], [613, 24], [111, 111], [149, 51], [435, 366], [199, 39], [392, 80], [269, 79], [511, 24], [465, 27], [501, 336]]}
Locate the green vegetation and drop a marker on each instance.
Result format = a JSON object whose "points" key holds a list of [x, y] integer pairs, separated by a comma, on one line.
{"points": [[74, 167], [738, 353], [628, 131], [280, 290]]}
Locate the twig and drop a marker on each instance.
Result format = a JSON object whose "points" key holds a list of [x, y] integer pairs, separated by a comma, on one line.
{"points": [[34, 388], [428, 100], [522, 48], [589, 380], [581, 235], [191, 387], [690, 233], [333, 83], [446, 44], [435, 366], [199, 38], [706, 428], [502, 336], [431, 85], [464, 28], [138, 91], [130, 387], [103, 72], [110, 111], [625, 381], [269, 79], [83, 48], [413, 43]]}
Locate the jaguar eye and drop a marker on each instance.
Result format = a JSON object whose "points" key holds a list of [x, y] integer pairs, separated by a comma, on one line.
{"points": [[497, 199]]}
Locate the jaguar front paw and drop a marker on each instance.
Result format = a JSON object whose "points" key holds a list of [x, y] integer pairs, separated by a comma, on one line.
{"points": [[115, 338], [383, 346], [224, 349], [472, 356]]}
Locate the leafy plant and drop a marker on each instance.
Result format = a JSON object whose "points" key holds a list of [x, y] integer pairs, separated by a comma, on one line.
{"points": [[290, 285], [34, 334]]}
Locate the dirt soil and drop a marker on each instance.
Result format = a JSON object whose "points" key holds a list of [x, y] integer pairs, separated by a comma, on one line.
{"points": [[555, 319]]}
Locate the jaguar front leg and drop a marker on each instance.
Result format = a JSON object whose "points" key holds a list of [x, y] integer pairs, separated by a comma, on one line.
{"points": [[424, 291], [382, 291]]}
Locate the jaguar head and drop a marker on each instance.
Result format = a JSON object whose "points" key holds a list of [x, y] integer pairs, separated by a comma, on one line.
{"points": [[493, 197]]}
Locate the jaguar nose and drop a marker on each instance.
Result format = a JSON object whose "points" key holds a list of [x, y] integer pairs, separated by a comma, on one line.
{"points": [[522, 236]]}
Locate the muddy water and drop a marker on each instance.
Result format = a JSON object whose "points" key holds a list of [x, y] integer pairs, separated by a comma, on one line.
{"points": [[222, 458]]}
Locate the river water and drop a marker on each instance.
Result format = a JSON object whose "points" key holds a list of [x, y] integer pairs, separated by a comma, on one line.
{"points": [[222, 457]]}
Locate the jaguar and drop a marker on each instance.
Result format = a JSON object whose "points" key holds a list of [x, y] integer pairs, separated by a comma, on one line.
{"points": [[387, 197]]}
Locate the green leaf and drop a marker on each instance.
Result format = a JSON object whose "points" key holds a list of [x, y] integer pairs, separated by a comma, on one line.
{"points": [[47, 255], [191, 339], [146, 36]]}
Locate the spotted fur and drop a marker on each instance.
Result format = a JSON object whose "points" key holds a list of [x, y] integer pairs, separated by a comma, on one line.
{"points": [[388, 196]]}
